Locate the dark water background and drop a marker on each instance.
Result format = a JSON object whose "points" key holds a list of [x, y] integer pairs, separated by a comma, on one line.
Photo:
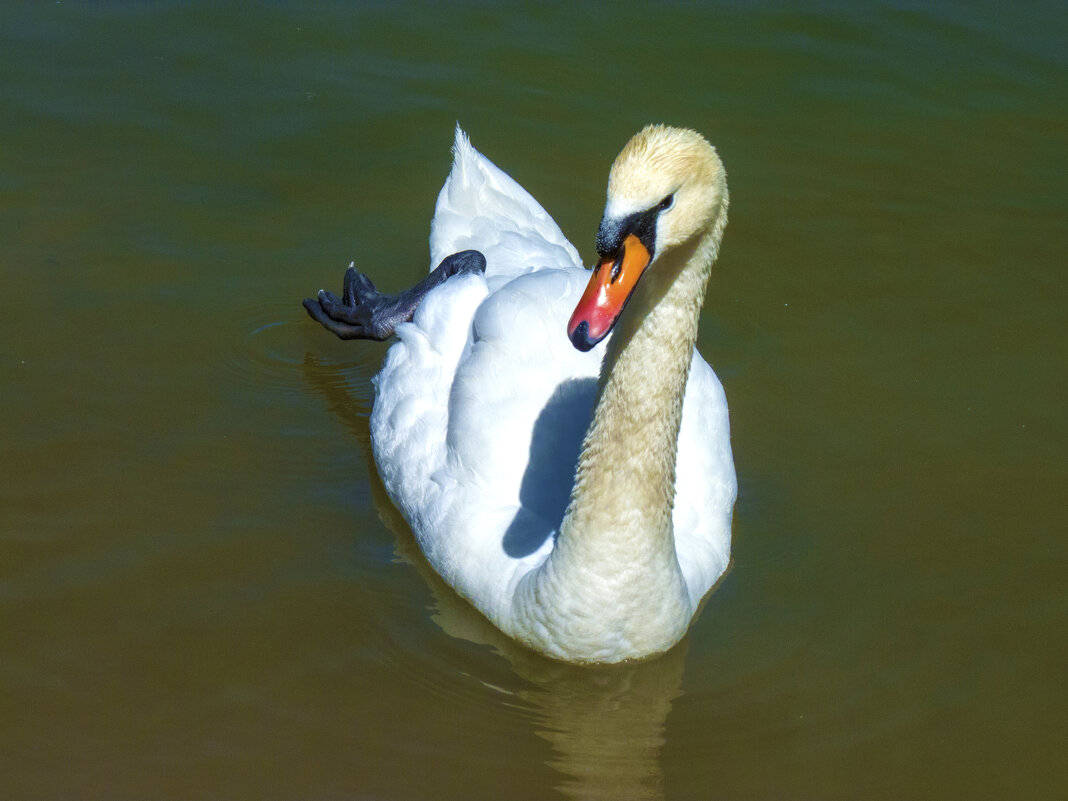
{"points": [[203, 593]]}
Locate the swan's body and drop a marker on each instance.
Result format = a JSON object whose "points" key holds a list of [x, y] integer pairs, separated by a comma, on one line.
{"points": [[483, 403]]}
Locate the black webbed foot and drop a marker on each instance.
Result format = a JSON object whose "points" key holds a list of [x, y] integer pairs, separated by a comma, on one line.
{"points": [[363, 312]]}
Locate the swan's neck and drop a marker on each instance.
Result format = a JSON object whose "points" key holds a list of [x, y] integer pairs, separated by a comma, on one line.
{"points": [[614, 569]]}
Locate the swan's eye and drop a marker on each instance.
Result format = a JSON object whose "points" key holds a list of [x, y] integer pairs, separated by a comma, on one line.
{"points": [[665, 204]]}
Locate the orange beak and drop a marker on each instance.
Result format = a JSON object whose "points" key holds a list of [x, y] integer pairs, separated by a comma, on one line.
{"points": [[608, 291]]}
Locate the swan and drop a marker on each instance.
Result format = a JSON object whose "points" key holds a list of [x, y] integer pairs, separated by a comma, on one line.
{"points": [[557, 445]]}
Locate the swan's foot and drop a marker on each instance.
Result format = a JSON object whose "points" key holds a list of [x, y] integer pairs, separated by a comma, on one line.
{"points": [[362, 312]]}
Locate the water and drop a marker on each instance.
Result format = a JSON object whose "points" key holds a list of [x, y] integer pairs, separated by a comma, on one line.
{"points": [[204, 593]]}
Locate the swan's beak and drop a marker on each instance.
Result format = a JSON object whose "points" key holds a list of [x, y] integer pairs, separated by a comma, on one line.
{"points": [[606, 294]]}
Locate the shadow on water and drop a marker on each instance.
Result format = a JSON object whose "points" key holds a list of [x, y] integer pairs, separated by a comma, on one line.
{"points": [[554, 451], [605, 723]]}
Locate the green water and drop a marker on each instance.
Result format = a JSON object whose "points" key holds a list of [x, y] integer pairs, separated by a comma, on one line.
{"points": [[204, 593]]}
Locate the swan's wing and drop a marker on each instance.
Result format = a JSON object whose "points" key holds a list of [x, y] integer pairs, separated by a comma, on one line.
{"points": [[459, 396], [410, 415], [518, 410], [480, 207], [705, 482]]}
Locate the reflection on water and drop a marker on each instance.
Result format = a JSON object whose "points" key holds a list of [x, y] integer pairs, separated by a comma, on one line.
{"points": [[605, 723]]}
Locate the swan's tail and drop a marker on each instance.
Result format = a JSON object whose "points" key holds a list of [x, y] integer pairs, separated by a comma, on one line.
{"points": [[481, 207]]}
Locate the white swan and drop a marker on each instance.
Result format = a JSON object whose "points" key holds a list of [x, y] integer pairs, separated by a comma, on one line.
{"points": [[584, 517]]}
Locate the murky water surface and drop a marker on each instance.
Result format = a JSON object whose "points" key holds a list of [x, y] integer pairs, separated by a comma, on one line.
{"points": [[204, 593]]}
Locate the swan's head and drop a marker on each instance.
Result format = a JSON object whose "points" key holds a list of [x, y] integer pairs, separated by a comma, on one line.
{"points": [[666, 187]]}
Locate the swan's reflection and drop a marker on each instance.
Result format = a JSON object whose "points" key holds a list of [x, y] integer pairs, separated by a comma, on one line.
{"points": [[605, 723]]}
